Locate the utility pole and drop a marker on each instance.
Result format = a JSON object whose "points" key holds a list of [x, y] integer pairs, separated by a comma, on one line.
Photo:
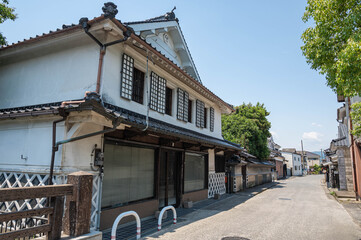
{"points": [[321, 157]]}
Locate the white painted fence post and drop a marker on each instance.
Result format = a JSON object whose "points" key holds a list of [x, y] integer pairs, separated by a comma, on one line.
{"points": [[117, 220], [161, 216]]}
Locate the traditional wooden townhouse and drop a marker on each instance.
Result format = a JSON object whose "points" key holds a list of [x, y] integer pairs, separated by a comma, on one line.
{"points": [[121, 101], [276, 158]]}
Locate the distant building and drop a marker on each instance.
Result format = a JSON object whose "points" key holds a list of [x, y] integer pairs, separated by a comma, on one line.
{"points": [[276, 158], [294, 163], [311, 159]]}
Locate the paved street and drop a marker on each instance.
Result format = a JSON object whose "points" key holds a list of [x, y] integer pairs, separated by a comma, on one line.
{"points": [[296, 208]]}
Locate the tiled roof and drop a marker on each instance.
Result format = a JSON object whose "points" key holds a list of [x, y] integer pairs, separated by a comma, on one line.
{"points": [[34, 110], [139, 120], [65, 28], [340, 141], [129, 117], [257, 162], [169, 16]]}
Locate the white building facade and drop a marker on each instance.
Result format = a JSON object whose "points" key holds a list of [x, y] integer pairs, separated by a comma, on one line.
{"points": [[150, 129], [294, 164]]}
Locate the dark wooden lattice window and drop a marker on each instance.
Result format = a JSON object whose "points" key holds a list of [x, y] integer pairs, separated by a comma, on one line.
{"points": [[186, 98], [205, 118], [161, 95], [138, 86], [127, 77], [190, 108], [157, 93], [168, 101], [199, 113], [211, 120], [154, 92], [182, 105]]}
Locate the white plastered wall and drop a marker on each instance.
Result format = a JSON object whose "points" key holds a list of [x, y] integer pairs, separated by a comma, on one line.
{"points": [[111, 91], [26, 144], [51, 77]]}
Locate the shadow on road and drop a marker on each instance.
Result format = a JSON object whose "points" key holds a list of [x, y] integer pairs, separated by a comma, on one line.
{"points": [[219, 206]]}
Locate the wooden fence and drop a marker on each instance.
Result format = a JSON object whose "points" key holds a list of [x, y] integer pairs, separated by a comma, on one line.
{"points": [[77, 212]]}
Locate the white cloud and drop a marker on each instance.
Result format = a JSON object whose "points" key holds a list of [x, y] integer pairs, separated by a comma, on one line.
{"points": [[316, 125], [314, 136]]}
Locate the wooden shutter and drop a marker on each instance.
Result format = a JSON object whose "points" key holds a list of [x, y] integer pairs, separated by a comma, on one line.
{"points": [[211, 124], [127, 77], [199, 113]]}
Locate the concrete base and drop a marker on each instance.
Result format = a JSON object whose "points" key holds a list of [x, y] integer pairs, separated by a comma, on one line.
{"points": [[188, 204], [345, 194], [217, 196]]}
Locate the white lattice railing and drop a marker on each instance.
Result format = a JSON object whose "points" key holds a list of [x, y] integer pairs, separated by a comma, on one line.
{"points": [[17, 179], [216, 184]]}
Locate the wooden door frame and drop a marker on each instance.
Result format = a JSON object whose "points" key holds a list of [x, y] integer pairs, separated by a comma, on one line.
{"points": [[179, 174]]}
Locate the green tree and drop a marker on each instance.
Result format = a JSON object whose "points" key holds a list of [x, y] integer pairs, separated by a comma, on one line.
{"points": [[5, 13], [316, 169], [332, 45], [249, 127]]}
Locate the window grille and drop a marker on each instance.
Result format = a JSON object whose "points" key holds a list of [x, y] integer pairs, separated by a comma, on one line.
{"points": [[127, 77], [211, 124], [154, 92], [186, 98], [199, 113], [161, 94], [182, 110], [157, 93]]}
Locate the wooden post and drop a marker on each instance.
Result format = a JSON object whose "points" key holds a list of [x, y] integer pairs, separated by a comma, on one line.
{"points": [[78, 207], [55, 219]]}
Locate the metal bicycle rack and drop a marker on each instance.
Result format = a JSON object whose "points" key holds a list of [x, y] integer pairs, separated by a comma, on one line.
{"points": [[117, 220], [161, 216]]}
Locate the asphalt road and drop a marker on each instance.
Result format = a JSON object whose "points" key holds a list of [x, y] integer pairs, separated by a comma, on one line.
{"points": [[296, 208]]}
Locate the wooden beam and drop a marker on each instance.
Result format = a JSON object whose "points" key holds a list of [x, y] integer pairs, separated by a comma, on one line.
{"points": [[4, 217], [26, 232], [21, 193]]}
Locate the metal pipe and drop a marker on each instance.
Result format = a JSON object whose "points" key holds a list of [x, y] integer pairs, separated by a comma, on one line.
{"points": [[54, 149], [85, 136], [102, 52], [148, 96], [100, 66]]}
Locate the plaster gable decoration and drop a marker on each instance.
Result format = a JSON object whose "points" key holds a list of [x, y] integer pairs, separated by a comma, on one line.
{"points": [[164, 34]]}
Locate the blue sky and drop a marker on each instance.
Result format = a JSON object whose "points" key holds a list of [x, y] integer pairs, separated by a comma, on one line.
{"points": [[245, 51]]}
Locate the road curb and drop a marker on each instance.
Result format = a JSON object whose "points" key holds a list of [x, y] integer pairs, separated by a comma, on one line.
{"points": [[353, 211]]}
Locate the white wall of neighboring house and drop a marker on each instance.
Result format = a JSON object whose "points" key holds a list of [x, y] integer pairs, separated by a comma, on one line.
{"points": [[28, 143], [294, 163], [297, 165], [54, 76]]}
